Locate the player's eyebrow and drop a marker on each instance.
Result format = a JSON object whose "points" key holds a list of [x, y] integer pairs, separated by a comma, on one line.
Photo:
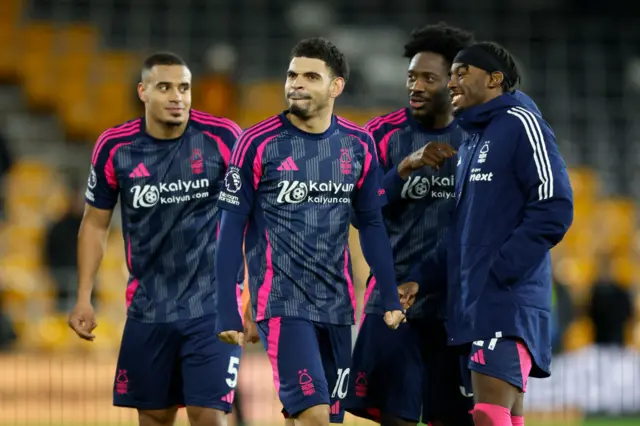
{"points": [[423, 73], [169, 83], [291, 73]]}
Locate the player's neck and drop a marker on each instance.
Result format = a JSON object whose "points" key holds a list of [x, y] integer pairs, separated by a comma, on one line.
{"points": [[442, 121], [162, 131], [318, 124], [435, 122]]}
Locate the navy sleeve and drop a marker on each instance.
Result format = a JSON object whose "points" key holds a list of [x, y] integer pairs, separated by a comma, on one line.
{"points": [[102, 185], [548, 212], [228, 261], [376, 249], [369, 193], [393, 184], [240, 182]]}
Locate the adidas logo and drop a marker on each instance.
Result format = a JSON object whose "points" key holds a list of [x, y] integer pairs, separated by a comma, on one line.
{"points": [[140, 171], [287, 164]]}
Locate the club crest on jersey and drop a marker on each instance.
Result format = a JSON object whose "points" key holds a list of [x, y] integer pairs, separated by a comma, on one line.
{"points": [[484, 151], [197, 163], [232, 180], [345, 161]]}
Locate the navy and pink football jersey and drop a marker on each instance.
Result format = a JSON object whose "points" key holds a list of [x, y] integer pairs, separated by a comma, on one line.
{"points": [[168, 190], [418, 209], [298, 190]]}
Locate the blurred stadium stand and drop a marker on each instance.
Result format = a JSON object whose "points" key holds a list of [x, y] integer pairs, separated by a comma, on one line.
{"points": [[69, 69]]}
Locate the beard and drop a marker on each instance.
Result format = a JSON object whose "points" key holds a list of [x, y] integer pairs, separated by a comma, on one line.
{"points": [[173, 123], [300, 112], [440, 104]]}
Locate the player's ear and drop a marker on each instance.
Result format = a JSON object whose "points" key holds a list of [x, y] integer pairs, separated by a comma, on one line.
{"points": [[142, 94], [337, 86], [496, 79]]}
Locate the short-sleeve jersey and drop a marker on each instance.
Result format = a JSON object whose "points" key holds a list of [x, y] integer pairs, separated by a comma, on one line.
{"points": [[297, 190], [418, 220], [168, 190]]}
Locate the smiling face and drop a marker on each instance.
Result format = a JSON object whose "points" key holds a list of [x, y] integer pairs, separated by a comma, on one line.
{"points": [[470, 86], [166, 93], [427, 79]]}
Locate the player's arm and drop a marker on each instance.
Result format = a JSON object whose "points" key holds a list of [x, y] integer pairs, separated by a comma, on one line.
{"points": [[101, 197], [376, 247], [548, 212], [236, 202], [92, 243], [392, 181]]}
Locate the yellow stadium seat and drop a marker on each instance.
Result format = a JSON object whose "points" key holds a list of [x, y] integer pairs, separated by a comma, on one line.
{"points": [[580, 334], [10, 11], [247, 118], [616, 221], [73, 71], [624, 270], [266, 94], [585, 183], [216, 95], [578, 272], [112, 104], [52, 332], [78, 38], [117, 66], [36, 61]]}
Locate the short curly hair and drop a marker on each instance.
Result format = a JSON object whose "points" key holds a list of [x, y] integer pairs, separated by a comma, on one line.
{"points": [[440, 38], [512, 80], [320, 48]]}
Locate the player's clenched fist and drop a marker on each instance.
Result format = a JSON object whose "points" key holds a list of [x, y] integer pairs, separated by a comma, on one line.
{"points": [[393, 318], [432, 155], [232, 337]]}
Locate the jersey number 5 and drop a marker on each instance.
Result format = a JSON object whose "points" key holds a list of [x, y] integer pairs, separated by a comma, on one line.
{"points": [[342, 384], [232, 381]]}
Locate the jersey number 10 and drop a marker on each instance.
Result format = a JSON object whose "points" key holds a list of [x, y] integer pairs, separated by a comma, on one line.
{"points": [[342, 384]]}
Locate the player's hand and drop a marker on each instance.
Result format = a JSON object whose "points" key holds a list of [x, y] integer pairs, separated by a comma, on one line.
{"points": [[407, 293], [82, 320], [394, 318], [232, 337], [250, 327], [432, 155]]}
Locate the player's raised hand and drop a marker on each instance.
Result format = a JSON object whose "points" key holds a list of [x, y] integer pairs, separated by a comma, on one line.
{"points": [[250, 327], [82, 320], [407, 293], [232, 337], [394, 318]]}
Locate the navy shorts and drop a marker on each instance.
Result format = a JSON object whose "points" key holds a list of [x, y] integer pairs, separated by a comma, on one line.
{"points": [[310, 363], [386, 371], [162, 365], [504, 358], [447, 392]]}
